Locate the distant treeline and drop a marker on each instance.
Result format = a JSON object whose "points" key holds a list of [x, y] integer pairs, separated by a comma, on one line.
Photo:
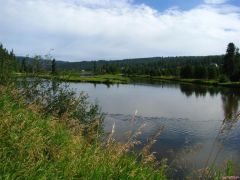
{"points": [[222, 67], [156, 66]]}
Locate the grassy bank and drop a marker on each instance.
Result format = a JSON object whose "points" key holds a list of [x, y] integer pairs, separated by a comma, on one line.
{"points": [[190, 81], [120, 79], [37, 147], [105, 79]]}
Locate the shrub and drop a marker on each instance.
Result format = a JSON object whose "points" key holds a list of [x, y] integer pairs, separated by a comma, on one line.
{"points": [[223, 79], [57, 99]]}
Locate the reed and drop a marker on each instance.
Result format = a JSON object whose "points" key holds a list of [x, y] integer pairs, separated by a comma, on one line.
{"points": [[210, 171], [35, 146]]}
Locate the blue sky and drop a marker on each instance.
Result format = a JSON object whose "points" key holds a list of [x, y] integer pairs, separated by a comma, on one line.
{"points": [[165, 4], [162, 5], [117, 29]]}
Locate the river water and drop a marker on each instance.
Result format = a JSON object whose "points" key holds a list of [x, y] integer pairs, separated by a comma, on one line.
{"points": [[199, 122]]}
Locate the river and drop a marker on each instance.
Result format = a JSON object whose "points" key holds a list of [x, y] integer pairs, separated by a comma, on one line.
{"points": [[199, 124]]}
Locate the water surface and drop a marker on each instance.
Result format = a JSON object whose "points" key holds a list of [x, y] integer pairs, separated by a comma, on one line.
{"points": [[191, 115]]}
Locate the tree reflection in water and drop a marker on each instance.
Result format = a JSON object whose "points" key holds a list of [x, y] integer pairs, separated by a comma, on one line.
{"points": [[230, 97], [230, 103]]}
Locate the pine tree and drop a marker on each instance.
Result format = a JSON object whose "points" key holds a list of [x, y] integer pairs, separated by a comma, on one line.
{"points": [[7, 64], [236, 70], [229, 59], [200, 72], [212, 72], [53, 66], [186, 72], [23, 66]]}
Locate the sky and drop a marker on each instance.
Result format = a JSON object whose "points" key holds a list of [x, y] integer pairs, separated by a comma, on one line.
{"points": [[76, 30]]}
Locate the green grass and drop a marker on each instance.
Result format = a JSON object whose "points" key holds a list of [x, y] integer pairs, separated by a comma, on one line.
{"points": [[190, 81], [36, 147], [105, 79], [120, 79]]}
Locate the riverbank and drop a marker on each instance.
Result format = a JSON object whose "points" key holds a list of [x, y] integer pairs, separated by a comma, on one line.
{"points": [[104, 79], [188, 81], [38, 147], [120, 79]]}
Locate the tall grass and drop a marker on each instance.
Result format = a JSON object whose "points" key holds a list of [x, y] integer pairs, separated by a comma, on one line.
{"points": [[227, 125], [35, 146]]}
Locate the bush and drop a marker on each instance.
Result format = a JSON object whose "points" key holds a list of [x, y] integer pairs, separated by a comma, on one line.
{"points": [[223, 79], [57, 99]]}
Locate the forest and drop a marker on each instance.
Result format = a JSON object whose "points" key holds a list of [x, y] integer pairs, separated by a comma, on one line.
{"points": [[219, 67]]}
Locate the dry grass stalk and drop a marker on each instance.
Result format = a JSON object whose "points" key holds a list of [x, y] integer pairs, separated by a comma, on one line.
{"points": [[134, 116], [120, 149], [226, 127], [146, 154], [132, 141], [110, 137]]}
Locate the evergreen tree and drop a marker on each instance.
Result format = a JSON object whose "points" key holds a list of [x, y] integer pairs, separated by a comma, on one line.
{"points": [[36, 64], [186, 72], [229, 59], [213, 72], [200, 72], [7, 64], [53, 66], [23, 66], [236, 70], [94, 67]]}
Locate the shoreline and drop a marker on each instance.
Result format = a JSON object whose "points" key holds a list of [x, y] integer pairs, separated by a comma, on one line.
{"points": [[121, 79], [191, 81]]}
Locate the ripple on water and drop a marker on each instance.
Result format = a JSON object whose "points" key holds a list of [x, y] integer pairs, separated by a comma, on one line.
{"points": [[180, 138]]}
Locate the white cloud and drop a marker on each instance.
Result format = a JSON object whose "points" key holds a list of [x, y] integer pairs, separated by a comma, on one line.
{"points": [[215, 1], [115, 29], [102, 3]]}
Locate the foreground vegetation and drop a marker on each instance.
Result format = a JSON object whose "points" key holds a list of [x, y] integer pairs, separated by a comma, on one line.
{"points": [[35, 147]]}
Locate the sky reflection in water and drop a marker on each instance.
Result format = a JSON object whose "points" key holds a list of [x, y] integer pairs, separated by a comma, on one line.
{"points": [[192, 116]]}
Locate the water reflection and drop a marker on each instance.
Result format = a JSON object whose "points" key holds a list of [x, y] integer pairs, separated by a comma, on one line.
{"points": [[198, 90], [230, 101], [190, 90], [230, 97], [193, 116]]}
